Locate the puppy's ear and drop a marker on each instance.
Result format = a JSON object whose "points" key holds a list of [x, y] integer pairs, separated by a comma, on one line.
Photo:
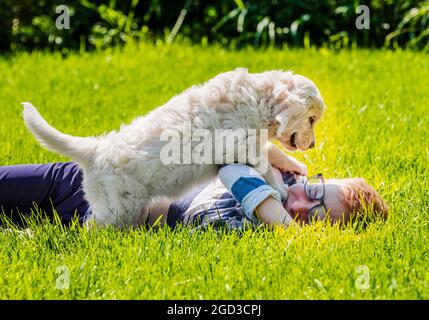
{"points": [[280, 91], [282, 118]]}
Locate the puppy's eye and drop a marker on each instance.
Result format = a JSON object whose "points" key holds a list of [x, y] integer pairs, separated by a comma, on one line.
{"points": [[312, 119]]}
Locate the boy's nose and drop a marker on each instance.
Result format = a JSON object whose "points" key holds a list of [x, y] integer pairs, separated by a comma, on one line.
{"points": [[299, 212], [299, 207]]}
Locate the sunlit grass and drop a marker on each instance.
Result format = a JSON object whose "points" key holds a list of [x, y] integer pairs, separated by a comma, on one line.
{"points": [[376, 127]]}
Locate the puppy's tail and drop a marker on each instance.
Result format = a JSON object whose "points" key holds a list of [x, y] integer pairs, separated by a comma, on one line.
{"points": [[77, 148]]}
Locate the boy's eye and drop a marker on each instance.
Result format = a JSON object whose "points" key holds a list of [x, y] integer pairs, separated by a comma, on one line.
{"points": [[311, 120], [315, 192]]}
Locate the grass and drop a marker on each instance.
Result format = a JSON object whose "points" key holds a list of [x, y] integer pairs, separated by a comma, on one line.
{"points": [[376, 127]]}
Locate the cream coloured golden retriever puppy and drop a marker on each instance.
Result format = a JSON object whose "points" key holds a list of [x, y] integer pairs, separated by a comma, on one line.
{"points": [[124, 169]]}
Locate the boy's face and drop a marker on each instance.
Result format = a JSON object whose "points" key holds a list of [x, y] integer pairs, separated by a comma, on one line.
{"points": [[299, 205]]}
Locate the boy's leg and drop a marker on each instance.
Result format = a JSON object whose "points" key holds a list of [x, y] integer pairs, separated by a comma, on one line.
{"points": [[58, 185]]}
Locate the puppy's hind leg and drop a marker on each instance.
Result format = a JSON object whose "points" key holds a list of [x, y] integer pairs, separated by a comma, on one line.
{"points": [[112, 217]]}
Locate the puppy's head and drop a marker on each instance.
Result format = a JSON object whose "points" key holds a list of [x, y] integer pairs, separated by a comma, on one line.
{"points": [[298, 106]]}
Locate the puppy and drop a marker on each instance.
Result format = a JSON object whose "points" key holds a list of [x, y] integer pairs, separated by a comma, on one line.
{"points": [[124, 170]]}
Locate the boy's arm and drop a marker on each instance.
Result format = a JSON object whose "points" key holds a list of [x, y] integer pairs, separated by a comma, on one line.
{"points": [[272, 212], [253, 193]]}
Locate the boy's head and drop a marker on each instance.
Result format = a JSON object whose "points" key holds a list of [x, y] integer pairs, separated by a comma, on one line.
{"points": [[340, 199], [360, 198]]}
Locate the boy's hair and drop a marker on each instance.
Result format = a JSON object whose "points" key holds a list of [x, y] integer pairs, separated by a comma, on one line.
{"points": [[360, 198]]}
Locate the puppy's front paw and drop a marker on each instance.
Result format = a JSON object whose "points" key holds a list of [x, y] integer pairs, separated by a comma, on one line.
{"points": [[300, 169], [296, 167]]}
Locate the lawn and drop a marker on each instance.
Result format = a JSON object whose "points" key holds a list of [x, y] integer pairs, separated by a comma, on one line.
{"points": [[376, 126]]}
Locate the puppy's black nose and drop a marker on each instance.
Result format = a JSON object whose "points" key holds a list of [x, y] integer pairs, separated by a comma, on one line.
{"points": [[312, 145]]}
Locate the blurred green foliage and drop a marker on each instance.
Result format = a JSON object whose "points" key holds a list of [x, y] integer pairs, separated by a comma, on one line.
{"points": [[30, 24]]}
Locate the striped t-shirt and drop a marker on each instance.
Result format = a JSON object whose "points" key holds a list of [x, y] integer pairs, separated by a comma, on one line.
{"points": [[230, 200]]}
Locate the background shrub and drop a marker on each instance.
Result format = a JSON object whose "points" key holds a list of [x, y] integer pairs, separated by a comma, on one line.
{"points": [[30, 24]]}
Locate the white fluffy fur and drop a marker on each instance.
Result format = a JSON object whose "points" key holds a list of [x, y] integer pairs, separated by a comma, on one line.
{"points": [[122, 169]]}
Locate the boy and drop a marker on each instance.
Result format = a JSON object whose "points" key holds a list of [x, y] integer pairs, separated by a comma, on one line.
{"points": [[238, 196]]}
